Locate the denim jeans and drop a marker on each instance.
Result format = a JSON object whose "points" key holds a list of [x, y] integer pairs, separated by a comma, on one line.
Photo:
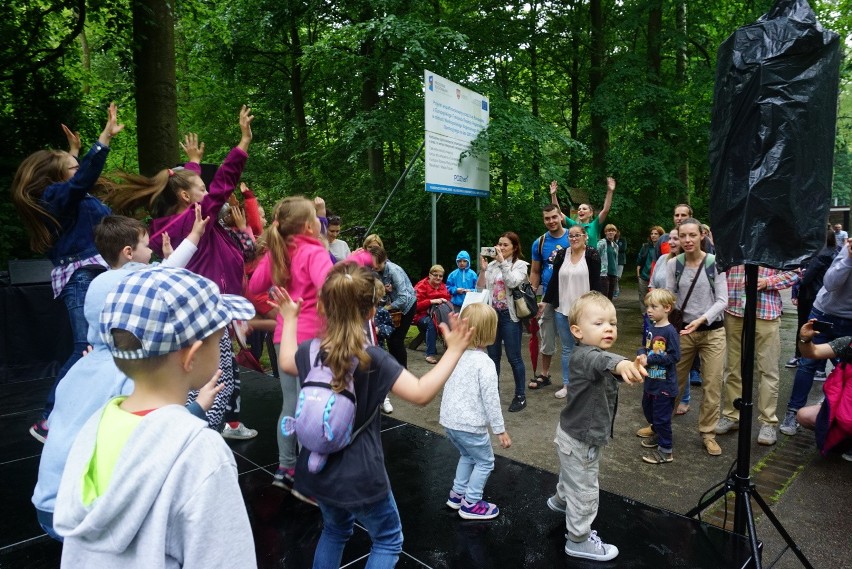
{"points": [[567, 341], [381, 519], [74, 296], [475, 464], [509, 334], [45, 520], [426, 323], [804, 379]]}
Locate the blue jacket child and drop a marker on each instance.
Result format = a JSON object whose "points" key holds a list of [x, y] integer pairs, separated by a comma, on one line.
{"points": [[461, 280]]}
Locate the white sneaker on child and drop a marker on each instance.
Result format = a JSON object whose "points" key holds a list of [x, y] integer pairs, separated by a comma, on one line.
{"points": [[593, 548], [387, 407]]}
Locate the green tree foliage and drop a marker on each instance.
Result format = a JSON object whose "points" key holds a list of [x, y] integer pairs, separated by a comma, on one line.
{"points": [[578, 90]]}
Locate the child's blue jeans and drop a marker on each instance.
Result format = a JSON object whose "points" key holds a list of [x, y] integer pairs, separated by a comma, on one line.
{"points": [[658, 411], [381, 519], [475, 464]]}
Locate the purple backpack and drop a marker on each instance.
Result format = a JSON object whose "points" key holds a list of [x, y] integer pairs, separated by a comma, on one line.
{"points": [[324, 419]]}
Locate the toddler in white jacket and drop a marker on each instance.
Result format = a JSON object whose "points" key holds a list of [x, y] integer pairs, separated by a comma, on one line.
{"points": [[470, 404]]}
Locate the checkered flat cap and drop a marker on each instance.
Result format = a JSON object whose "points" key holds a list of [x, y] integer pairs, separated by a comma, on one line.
{"points": [[167, 310]]}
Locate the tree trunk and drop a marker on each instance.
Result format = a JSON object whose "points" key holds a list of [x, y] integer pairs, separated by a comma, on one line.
{"points": [[86, 53], [534, 98], [600, 136], [680, 78], [155, 84]]}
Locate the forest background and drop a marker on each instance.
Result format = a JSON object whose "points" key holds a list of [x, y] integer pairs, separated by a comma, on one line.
{"points": [[579, 89]]}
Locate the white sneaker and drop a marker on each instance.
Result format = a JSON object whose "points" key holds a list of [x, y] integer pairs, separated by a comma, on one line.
{"points": [[593, 548], [847, 456], [561, 393], [726, 425], [767, 435], [387, 407], [240, 433]]}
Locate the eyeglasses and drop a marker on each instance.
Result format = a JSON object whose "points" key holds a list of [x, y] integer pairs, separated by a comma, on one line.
{"points": [[577, 236], [437, 274]]}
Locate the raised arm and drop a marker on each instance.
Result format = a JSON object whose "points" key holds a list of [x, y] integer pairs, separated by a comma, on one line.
{"points": [[610, 189]]}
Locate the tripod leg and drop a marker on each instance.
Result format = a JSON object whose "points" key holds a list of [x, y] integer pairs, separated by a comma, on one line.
{"points": [[777, 523], [752, 534]]}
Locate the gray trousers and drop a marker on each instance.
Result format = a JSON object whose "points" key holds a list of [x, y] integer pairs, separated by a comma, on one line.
{"points": [[579, 465]]}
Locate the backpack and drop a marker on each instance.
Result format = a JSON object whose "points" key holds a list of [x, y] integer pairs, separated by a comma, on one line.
{"points": [[709, 268], [324, 419], [834, 423]]}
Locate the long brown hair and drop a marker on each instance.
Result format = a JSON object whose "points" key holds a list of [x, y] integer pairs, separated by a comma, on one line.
{"points": [[516, 242], [346, 299], [288, 220], [38, 171], [157, 195]]}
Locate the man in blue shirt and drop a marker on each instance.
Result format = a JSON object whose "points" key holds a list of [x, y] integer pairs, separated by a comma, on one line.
{"points": [[543, 251]]}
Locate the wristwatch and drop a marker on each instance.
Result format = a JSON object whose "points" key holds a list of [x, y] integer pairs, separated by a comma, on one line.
{"points": [[803, 341]]}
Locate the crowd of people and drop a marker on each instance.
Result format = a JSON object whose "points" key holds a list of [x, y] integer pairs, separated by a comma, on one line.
{"points": [[144, 443]]}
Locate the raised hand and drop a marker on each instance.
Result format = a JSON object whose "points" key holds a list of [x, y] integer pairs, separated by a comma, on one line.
{"points": [[287, 306], [553, 187], [246, 119], [112, 127], [193, 150], [73, 141]]}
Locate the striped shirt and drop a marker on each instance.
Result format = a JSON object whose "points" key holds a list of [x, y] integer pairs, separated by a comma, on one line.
{"points": [[768, 299]]}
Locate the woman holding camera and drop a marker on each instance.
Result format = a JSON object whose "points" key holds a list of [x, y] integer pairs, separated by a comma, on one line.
{"points": [[508, 270], [833, 309]]}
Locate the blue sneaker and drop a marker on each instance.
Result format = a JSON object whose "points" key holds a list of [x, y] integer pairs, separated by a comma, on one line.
{"points": [[481, 510], [455, 500], [694, 378]]}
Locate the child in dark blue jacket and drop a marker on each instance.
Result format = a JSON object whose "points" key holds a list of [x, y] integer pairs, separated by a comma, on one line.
{"points": [[51, 193], [660, 355]]}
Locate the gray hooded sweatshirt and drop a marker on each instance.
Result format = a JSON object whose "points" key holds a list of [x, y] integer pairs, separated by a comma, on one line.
{"points": [[173, 500]]}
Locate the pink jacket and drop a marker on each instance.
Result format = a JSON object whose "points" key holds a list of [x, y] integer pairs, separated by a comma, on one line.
{"points": [[309, 265]]}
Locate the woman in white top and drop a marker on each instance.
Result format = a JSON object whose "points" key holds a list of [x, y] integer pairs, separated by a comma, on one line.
{"points": [[576, 271], [507, 271], [703, 331]]}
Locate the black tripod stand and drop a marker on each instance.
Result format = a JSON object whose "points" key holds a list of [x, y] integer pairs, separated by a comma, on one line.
{"points": [[740, 482]]}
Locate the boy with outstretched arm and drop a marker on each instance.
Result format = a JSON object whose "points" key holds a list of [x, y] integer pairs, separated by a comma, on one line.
{"points": [[585, 424], [147, 484]]}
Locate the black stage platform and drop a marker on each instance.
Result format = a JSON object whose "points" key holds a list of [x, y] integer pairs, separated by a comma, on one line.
{"points": [[421, 465]]}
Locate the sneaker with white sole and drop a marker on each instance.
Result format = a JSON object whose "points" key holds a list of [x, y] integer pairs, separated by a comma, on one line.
{"points": [[480, 510], [562, 392], [284, 477], [789, 426], [794, 362], [455, 500], [726, 425], [386, 406], [557, 504], [820, 376], [847, 456], [767, 435], [39, 431], [241, 432], [593, 548]]}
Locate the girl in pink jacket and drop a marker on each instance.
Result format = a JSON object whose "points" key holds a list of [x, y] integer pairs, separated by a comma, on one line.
{"points": [[297, 261]]}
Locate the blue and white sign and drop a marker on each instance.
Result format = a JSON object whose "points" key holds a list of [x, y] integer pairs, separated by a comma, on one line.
{"points": [[454, 118]]}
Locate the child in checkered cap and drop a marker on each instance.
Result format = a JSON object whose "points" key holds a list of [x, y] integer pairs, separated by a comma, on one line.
{"points": [[146, 483]]}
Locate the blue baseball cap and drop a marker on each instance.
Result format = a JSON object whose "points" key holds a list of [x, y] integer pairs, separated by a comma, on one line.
{"points": [[167, 309]]}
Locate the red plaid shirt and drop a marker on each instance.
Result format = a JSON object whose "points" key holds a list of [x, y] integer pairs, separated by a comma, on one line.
{"points": [[768, 300]]}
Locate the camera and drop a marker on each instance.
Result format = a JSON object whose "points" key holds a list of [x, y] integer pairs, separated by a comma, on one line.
{"points": [[488, 252]]}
